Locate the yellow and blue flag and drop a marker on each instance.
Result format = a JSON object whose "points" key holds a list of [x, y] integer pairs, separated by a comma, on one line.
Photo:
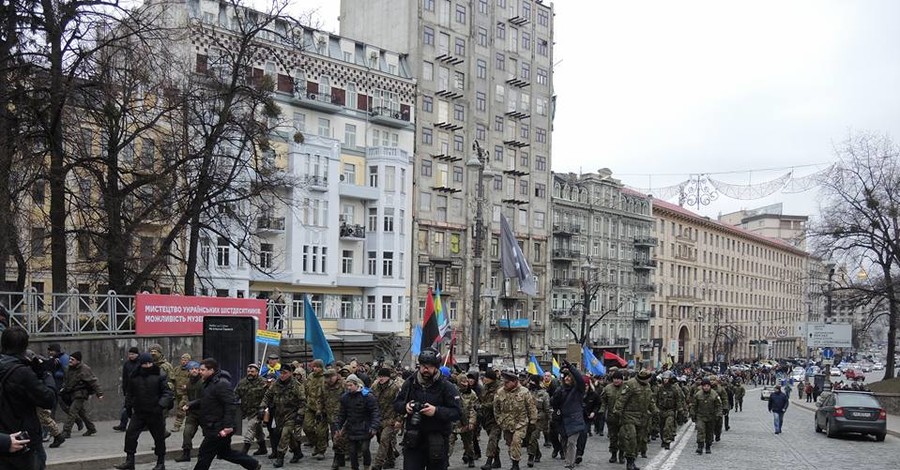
{"points": [[555, 368], [533, 367]]}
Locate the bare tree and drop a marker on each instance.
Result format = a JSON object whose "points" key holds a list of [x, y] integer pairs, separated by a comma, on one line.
{"points": [[860, 219]]}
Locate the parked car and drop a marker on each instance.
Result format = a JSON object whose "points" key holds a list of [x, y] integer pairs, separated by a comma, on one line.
{"points": [[766, 392], [854, 374], [878, 366], [835, 372], [850, 411]]}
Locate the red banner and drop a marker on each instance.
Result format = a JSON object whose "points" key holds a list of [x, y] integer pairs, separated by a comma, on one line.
{"points": [[180, 315]]}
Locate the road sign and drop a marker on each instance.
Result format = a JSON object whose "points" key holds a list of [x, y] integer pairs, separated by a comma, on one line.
{"points": [[828, 353], [834, 335], [828, 362]]}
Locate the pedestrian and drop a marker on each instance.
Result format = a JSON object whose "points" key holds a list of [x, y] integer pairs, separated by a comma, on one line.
{"points": [[809, 392], [608, 399], [182, 377], [633, 406], [192, 417], [706, 408], [251, 390], [272, 368], [669, 400], [739, 392], [385, 390], [542, 403], [568, 408], [25, 387], [216, 406], [284, 401], [462, 429], [165, 367], [314, 423], [778, 405], [430, 404], [488, 420], [128, 367], [515, 412], [358, 421], [80, 383], [149, 397], [58, 362]]}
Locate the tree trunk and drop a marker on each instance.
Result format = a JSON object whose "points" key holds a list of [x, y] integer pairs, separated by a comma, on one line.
{"points": [[55, 142]]}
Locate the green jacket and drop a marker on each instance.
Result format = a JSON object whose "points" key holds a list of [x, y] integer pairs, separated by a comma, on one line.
{"points": [[284, 399], [669, 398], [635, 403], [706, 405], [251, 393], [515, 409], [80, 382]]}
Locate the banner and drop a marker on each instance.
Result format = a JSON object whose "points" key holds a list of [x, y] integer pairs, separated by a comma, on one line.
{"points": [[157, 314]]}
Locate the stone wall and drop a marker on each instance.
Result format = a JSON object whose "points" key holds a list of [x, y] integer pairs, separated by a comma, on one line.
{"points": [[890, 402]]}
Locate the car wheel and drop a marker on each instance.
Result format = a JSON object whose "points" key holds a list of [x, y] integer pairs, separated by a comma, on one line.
{"points": [[828, 431], [879, 437]]}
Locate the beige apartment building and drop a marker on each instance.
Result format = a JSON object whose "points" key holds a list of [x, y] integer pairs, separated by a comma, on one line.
{"points": [[724, 293]]}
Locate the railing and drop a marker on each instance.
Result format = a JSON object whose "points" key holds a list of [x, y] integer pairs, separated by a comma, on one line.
{"points": [[566, 282], [75, 313], [353, 231], [563, 253], [270, 223]]}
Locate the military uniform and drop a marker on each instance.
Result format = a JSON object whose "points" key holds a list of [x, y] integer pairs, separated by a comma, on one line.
{"points": [[385, 393], [739, 392], [285, 396], [705, 411], [332, 400], [670, 401], [514, 411], [632, 410], [542, 404], [251, 392], [315, 423], [488, 418], [464, 427], [723, 398], [182, 377], [193, 391], [608, 400], [80, 383]]}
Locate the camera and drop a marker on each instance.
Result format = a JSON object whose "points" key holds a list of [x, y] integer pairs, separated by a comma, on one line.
{"points": [[23, 435], [416, 418]]}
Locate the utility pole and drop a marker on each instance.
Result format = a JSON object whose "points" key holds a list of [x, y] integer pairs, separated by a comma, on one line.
{"points": [[477, 163]]}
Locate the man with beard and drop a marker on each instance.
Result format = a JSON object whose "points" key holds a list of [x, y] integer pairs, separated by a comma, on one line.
{"points": [[148, 396], [431, 404], [285, 401], [385, 390], [192, 417], [216, 407], [251, 390]]}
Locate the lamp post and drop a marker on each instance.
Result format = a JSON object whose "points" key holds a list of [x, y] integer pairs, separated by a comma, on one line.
{"points": [[477, 164], [828, 307]]}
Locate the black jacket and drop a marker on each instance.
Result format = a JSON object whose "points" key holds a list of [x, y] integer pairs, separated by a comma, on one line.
{"points": [[568, 405], [149, 392], [217, 404], [441, 393], [359, 415], [23, 394], [128, 369]]}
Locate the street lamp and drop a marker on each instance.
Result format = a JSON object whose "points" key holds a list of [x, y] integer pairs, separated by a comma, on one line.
{"points": [[828, 307], [477, 164]]}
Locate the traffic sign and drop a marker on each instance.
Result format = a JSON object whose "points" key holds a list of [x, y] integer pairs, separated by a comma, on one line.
{"points": [[828, 353]]}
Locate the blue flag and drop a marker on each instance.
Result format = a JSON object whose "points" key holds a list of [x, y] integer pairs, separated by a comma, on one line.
{"points": [[416, 342], [591, 363], [314, 336]]}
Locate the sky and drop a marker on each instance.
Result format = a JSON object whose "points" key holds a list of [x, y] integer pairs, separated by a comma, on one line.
{"points": [[657, 91]]}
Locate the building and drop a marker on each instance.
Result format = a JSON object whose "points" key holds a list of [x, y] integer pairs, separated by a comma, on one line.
{"points": [[771, 222], [483, 71], [601, 255], [724, 293]]}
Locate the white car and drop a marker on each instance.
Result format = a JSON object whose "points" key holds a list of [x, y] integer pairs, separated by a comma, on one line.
{"points": [[878, 366], [835, 372]]}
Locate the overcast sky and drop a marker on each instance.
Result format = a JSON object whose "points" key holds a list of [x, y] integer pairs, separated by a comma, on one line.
{"points": [[658, 90]]}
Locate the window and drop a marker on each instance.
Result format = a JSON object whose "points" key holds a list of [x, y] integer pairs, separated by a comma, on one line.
{"points": [[148, 151], [498, 123], [265, 255], [427, 104], [543, 17], [426, 167], [524, 159], [480, 131], [388, 219], [500, 61], [373, 176], [386, 307], [540, 163], [540, 190], [538, 220], [482, 6], [526, 71], [459, 143], [526, 41], [427, 136], [387, 266], [481, 69], [427, 5], [403, 181], [482, 37], [457, 174], [498, 153], [524, 131], [459, 112], [372, 224], [498, 182], [349, 173], [324, 127], [523, 188], [460, 13], [427, 71], [347, 262], [480, 101], [501, 30], [542, 47], [428, 36], [540, 135], [460, 46], [38, 242], [223, 252], [372, 263], [350, 135], [424, 201], [542, 76], [204, 252]]}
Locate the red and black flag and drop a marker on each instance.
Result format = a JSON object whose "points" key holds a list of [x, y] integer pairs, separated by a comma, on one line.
{"points": [[430, 330]]}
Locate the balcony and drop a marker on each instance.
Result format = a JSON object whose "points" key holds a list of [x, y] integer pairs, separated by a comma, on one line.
{"points": [[560, 313], [320, 102], [642, 315], [270, 225], [566, 229], [514, 324], [389, 117], [316, 182], [649, 287], [355, 191], [565, 282], [562, 253], [645, 241], [642, 263], [353, 231]]}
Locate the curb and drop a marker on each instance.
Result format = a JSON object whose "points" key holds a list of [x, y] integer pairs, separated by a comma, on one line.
{"points": [[813, 409], [108, 461]]}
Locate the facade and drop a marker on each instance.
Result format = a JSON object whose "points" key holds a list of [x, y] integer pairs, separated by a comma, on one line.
{"points": [[771, 222], [484, 75], [341, 232], [724, 293], [602, 250]]}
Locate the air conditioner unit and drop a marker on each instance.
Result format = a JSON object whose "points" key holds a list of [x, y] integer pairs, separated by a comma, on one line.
{"points": [[342, 177], [537, 323], [503, 345], [493, 322]]}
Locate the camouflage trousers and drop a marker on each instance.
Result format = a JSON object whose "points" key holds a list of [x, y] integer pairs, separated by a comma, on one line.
{"points": [[287, 440], [254, 432], [643, 435], [706, 427], [387, 445], [493, 446], [338, 443], [718, 423], [533, 439], [612, 432], [629, 437], [47, 422], [191, 426], [514, 441], [466, 438], [180, 402], [667, 425], [78, 410], [316, 432]]}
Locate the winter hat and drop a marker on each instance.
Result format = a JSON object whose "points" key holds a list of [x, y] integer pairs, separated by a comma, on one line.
{"points": [[354, 379], [491, 374], [193, 365], [76, 355], [155, 347], [384, 372], [144, 357], [253, 365], [54, 347], [134, 350], [186, 356]]}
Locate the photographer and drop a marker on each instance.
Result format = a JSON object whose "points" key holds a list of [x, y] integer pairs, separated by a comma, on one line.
{"points": [[25, 388], [431, 404]]}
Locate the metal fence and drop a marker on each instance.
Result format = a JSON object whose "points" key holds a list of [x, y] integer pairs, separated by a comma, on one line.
{"points": [[75, 313]]}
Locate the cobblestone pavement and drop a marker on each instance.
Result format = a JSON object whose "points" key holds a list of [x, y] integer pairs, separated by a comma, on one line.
{"points": [[751, 443]]}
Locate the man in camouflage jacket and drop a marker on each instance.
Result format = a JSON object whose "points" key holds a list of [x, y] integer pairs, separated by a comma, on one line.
{"points": [[314, 422], [542, 404], [79, 383], [331, 392], [515, 411], [465, 426], [251, 390], [286, 401], [385, 390], [182, 377], [632, 409]]}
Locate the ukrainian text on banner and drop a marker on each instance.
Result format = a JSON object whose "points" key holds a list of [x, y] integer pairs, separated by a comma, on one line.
{"points": [[180, 315]]}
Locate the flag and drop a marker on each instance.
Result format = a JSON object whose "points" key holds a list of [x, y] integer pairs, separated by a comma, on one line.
{"points": [[450, 359], [555, 368], [416, 344], [442, 319], [608, 356], [513, 261], [314, 336], [591, 363], [430, 331], [533, 367]]}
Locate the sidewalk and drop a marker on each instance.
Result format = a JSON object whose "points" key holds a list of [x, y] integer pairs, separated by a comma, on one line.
{"points": [[893, 421], [106, 448]]}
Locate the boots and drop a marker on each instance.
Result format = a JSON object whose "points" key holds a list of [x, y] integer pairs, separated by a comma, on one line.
{"points": [[246, 448], [515, 465], [262, 449], [708, 450], [128, 464], [57, 441], [160, 462], [621, 456], [279, 461], [530, 461], [496, 462], [489, 464], [297, 456], [613, 457], [699, 449], [630, 465], [186, 455]]}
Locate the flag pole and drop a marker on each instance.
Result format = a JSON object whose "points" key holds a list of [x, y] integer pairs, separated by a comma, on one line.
{"points": [[507, 304]]}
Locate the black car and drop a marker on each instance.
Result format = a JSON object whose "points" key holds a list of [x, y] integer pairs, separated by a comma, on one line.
{"points": [[851, 411]]}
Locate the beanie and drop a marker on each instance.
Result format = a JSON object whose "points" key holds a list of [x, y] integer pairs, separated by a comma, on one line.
{"points": [[54, 347], [384, 372], [76, 355], [354, 379], [491, 374], [145, 357], [186, 356], [134, 350], [193, 365]]}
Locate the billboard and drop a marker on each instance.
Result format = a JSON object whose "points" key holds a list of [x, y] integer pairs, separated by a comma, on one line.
{"points": [[182, 315], [824, 335]]}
